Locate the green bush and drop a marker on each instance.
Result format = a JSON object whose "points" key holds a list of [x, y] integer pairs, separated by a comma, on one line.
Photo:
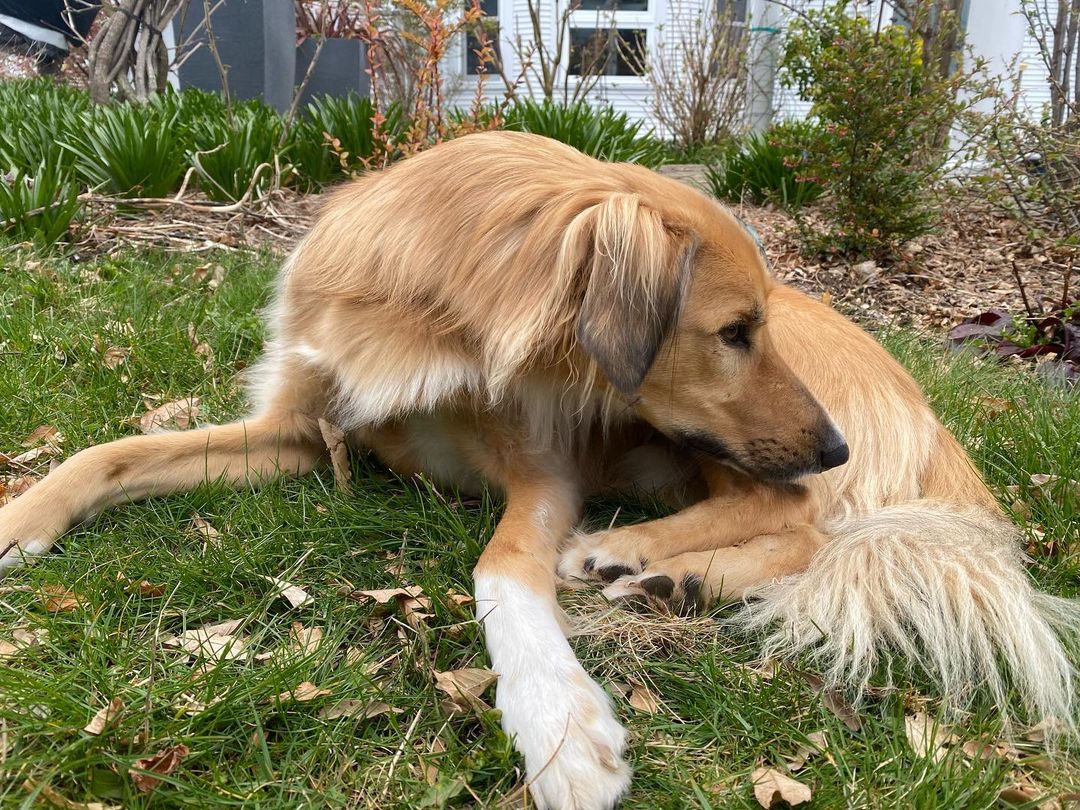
{"points": [[759, 169], [37, 115], [348, 122], [38, 207], [883, 114], [128, 149], [597, 131], [234, 154]]}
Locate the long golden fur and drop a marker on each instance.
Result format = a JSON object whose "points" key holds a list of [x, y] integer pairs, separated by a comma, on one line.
{"points": [[503, 309]]}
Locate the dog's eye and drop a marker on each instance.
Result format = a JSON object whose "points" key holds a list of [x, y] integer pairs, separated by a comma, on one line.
{"points": [[736, 334]]}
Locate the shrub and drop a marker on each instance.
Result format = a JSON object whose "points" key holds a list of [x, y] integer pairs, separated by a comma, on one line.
{"points": [[38, 207], [597, 131], [129, 149], [348, 121], [759, 169], [28, 141], [884, 110], [233, 155]]}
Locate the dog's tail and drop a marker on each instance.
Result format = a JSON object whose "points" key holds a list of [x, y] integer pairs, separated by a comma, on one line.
{"points": [[940, 585]]}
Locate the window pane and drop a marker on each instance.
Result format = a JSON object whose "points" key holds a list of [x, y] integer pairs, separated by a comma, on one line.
{"points": [[612, 5], [472, 45], [490, 23], [606, 51]]}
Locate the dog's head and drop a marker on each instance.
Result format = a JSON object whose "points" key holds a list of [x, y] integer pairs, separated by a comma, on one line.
{"points": [[674, 313]]}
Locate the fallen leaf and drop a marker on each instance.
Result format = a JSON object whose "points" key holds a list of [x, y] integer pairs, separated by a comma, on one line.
{"points": [[642, 699], [836, 704], [293, 594], [431, 773], [209, 534], [30, 456], [465, 688], [43, 434], [772, 787], [304, 640], [142, 587], [213, 641], [357, 709], [21, 639], [56, 799], [816, 744], [105, 717], [302, 693], [146, 773], [459, 598], [115, 356], [926, 736], [179, 415], [200, 347], [57, 599], [334, 437], [994, 405]]}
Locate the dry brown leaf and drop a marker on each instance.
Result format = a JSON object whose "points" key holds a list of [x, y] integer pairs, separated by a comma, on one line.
{"points": [[642, 699], [105, 717], [302, 693], [926, 736], [465, 688], [115, 356], [461, 599], [212, 641], [357, 709], [339, 455], [293, 594], [57, 599], [43, 434], [836, 704], [160, 764], [771, 788], [30, 456], [386, 595], [21, 639], [817, 744], [304, 640], [179, 414], [57, 799], [209, 534]]}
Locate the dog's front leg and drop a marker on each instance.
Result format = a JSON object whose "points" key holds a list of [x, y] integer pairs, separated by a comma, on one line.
{"points": [[561, 720]]}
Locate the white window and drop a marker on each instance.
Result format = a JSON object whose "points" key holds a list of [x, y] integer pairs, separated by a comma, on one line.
{"points": [[611, 37], [490, 24]]}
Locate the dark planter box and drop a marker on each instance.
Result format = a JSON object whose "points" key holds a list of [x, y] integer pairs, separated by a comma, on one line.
{"points": [[340, 69], [256, 40]]}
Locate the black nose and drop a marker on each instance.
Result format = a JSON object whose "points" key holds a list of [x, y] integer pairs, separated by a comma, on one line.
{"points": [[834, 453]]}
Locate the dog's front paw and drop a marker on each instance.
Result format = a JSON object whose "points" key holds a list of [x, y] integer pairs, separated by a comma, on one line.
{"points": [[601, 556], [571, 741], [667, 585]]}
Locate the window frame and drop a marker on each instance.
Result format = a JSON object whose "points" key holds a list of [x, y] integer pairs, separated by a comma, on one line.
{"points": [[647, 21]]}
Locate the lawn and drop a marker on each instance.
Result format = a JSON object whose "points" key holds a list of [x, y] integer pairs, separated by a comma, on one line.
{"points": [[99, 617]]}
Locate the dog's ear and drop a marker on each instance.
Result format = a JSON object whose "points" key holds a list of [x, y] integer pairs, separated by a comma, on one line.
{"points": [[636, 270]]}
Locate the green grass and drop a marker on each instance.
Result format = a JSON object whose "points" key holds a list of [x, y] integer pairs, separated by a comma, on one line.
{"points": [[718, 719]]}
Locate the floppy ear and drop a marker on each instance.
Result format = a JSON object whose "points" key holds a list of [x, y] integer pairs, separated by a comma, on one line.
{"points": [[636, 272]]}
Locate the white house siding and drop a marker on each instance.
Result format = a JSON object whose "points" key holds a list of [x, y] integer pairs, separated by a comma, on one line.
{"points": [[995, 29]]}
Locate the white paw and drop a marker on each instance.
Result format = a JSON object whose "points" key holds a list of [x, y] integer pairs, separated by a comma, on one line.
{"points": [[560, 719], [594, 557], [22, 536], [571, 741]]}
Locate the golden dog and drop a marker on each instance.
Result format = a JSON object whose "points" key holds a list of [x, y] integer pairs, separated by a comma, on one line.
{"points": [[503, 309]]}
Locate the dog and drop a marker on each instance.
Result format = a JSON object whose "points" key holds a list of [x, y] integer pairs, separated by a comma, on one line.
{"points": [[502, 310]]}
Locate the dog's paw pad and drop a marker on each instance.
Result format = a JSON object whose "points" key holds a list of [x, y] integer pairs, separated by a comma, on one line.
{"points": [[610, 573]]}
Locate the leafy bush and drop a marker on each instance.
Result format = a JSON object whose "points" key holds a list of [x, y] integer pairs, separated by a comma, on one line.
{"points": [[348, 120], [884, 110], [28, 141], [233, 155], [40, 206], [759, 169], [597, 131], [128, 149]]}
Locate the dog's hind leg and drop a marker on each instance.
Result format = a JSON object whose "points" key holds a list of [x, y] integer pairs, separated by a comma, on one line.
{"points": [[688, 581], [281, 439]]}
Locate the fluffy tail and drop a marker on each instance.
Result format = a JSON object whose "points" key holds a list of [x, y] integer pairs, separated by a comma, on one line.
{"points": [[943, 587]]}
